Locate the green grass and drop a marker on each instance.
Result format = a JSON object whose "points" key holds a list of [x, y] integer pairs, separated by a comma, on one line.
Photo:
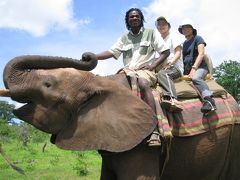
{"points": [[52, 164]]}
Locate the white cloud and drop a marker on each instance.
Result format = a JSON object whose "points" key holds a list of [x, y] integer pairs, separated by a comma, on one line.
{"points": [[38, 17], [215, 20]]}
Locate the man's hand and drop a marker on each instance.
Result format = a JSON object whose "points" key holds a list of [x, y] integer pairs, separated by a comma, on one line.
{"points": [[167, 66], [145, 67]]}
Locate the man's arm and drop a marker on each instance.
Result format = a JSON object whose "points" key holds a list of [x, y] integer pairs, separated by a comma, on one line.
{"points": [[163, 56], [104, 55], [100, 56], [158, 61], [198, 60], [176, 57]]}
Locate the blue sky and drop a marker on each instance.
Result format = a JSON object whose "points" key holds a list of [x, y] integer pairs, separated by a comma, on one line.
{"points": [[70, 27]]}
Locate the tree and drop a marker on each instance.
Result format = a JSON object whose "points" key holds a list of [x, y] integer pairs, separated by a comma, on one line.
{"points": [[6, 112], [227, 75], [7, 124]]}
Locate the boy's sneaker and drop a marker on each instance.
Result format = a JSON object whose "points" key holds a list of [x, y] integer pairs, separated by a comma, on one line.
{"points": [[208, 105], [172, 105]]}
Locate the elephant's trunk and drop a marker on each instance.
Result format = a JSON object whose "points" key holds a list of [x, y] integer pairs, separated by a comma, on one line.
{"points": [[17, 66]]}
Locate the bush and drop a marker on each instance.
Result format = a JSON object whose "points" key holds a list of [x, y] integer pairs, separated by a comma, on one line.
{"points": [[54, 160], [81, 166], [7, 132], [27, 133]]}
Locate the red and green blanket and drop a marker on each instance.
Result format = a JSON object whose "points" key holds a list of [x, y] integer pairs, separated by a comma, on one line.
{"points": [[191, 120]]}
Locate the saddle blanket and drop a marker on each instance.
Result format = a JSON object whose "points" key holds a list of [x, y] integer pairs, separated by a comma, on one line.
{"points": [[191, 121]]}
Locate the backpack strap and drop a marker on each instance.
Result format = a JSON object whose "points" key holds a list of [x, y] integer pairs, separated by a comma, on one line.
{"points": [[194, 44]]}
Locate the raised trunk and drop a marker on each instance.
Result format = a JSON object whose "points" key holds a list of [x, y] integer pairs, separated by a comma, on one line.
{"points": [[17, 66]]}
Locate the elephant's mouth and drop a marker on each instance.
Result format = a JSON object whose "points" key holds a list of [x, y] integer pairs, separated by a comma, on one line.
{"points": [[24, 110], [26, 107]]}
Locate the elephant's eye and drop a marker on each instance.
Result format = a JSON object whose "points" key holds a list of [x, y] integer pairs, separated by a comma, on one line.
{"points": [[27, 70], [48, 81], [47, 84]]}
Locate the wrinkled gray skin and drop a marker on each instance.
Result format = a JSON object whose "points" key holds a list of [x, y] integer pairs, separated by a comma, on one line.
{"points": [[84, 112]]}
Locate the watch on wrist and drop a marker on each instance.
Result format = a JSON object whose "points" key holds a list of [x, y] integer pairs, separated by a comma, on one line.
{"points": [[194, 67]]}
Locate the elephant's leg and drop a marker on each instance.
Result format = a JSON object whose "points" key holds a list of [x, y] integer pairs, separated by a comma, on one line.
{"points": [[199, 157], [231, 170], [140, 163], [235, 154], [107, 172]]}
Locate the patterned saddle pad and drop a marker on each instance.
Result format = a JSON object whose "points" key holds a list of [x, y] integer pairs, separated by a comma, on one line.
{"points": [[191, 121]]}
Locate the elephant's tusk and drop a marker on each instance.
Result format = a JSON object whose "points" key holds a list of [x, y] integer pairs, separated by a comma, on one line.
{"points": [[5, 93]]}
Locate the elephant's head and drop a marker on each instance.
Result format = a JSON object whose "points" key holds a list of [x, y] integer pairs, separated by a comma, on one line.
{"points": [[81, 110]]}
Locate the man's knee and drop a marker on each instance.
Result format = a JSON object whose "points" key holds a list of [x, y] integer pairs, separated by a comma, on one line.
{"points": [[143, 83]]}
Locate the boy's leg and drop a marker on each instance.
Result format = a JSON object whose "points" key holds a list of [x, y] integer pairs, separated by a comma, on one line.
{"points": [[202, 87], [165, 79]]}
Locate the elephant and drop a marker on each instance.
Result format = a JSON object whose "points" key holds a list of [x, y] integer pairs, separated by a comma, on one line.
{"points": [[84, 111]]}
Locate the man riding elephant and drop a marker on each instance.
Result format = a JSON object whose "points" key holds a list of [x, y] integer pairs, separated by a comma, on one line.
{"points": [[138, 47]]}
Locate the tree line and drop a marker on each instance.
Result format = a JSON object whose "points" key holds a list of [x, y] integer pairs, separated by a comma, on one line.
{"points": [[227, 74]]}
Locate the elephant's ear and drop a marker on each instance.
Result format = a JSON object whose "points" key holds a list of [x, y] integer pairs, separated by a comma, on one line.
{"points": [[113, 120]]}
